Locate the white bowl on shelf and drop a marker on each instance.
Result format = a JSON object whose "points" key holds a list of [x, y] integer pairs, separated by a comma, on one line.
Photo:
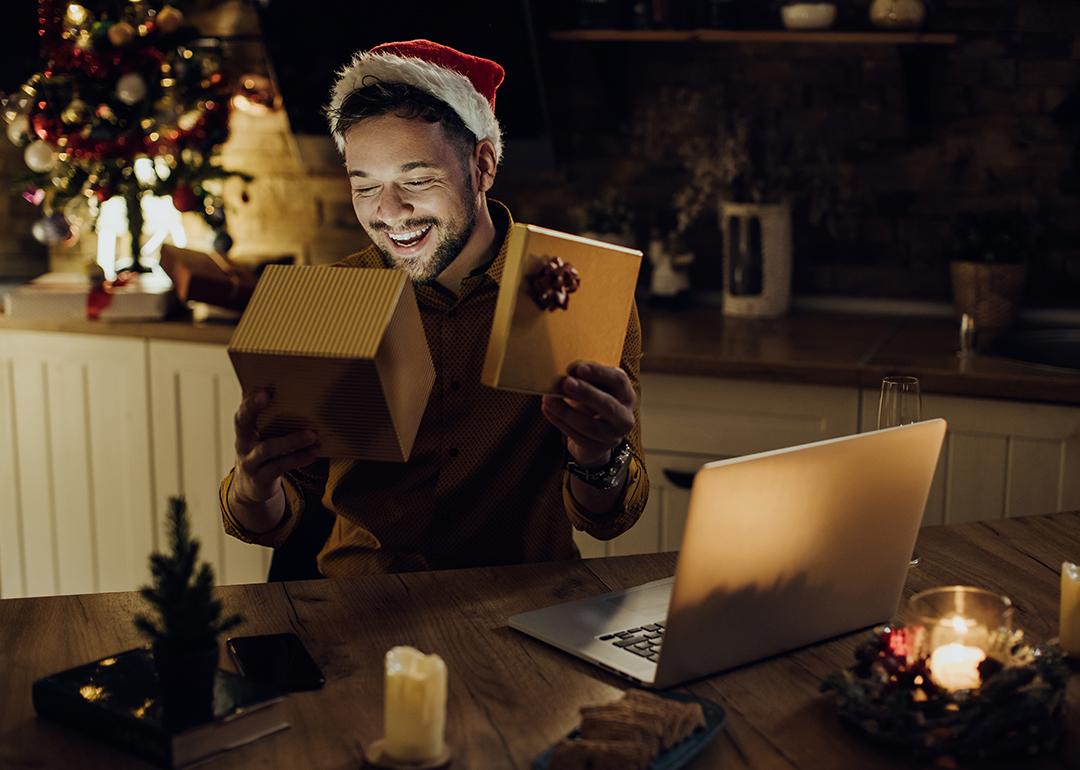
{"points": [[808, 15]]}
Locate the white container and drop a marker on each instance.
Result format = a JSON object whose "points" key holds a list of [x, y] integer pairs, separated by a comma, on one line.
{"points": [[808, 15], [759, 235]]}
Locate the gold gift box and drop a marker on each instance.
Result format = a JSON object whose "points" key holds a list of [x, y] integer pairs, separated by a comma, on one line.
{"points": [[530, 347], [344, 352]]}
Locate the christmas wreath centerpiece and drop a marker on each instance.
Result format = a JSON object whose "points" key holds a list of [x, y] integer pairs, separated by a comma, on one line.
{"points": [[891, 695]]}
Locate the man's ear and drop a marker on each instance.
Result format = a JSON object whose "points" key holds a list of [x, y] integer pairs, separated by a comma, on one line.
{"points": [[484, 165]]}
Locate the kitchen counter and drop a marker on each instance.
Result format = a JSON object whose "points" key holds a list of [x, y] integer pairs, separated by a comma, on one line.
{"points": [[804, 347], [847, 350]]}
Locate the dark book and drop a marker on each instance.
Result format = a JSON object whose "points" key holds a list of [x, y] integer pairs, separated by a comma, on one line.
{"points": [[117, 699]]}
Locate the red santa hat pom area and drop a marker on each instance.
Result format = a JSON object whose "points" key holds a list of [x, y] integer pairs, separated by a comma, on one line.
{"points": [[466, 83]]}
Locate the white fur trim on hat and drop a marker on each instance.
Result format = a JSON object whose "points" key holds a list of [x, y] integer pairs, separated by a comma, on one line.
{"points": [[444, 84]]}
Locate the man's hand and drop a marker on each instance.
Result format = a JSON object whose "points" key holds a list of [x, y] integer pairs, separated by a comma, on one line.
{"points": [[595, 413], [256, 497]]}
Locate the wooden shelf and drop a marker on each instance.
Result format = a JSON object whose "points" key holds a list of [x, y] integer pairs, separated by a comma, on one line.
{"points": [[754, 36]]}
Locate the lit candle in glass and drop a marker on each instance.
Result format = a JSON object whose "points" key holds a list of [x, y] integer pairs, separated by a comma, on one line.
{"points": [[414, 705], [1070, 609], [958, 628]]}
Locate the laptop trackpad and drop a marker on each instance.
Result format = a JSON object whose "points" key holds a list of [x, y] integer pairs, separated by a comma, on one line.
{"points": [[651, 599]]}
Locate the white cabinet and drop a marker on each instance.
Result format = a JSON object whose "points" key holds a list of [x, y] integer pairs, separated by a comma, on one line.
{"points": [[96, 432], [76, 490], [689, 421], [1000, 458], [194, 395]]}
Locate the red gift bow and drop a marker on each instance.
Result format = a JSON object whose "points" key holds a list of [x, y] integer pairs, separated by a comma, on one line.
{"points": [[553, 284]]}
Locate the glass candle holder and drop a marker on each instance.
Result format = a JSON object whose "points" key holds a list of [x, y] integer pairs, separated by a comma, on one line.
{"points": [[956, 628]]}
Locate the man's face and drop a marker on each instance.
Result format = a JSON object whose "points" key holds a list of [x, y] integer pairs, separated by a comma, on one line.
{"points": [[411, 191]]}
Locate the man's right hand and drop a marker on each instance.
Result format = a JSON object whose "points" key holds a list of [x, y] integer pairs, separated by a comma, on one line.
{"points": [[256, 497]]}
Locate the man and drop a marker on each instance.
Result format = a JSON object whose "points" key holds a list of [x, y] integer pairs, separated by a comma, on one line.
{"points": [[495, 477]]}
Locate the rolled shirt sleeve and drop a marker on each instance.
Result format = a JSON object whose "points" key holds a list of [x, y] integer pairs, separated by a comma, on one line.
{"points": [[294, 509], [631, 504]]}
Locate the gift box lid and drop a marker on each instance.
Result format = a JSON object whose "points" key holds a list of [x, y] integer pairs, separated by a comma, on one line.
{"points": [[207, 277], [345, 354], [531, 343]]}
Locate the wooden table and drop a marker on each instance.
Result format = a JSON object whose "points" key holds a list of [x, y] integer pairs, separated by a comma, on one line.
{"points": [[511, 696]]}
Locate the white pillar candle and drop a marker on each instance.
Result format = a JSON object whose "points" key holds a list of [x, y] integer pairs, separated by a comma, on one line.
{"points": [[1070, 609], [414, 705], [955, 666]]}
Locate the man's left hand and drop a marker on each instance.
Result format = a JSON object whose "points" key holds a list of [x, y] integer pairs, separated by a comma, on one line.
{"points": [[595, 412]]}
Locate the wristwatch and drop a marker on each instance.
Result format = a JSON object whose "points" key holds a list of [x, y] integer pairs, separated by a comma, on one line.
{"points": [[605, 477]]}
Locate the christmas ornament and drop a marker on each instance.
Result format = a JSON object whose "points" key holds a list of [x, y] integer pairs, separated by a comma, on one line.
{"points": [[51, 230], [184, 199], [77, 111], [17, 104], [256, 95], [214, 214], [466, 83], [222, 242], [34, 196], [121, 33], [169, 19], [131, 88], [76, 17], [39, 156], [18, 130]]}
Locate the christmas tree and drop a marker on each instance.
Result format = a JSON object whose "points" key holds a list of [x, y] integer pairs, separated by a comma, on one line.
{"points": [[130, 102]]}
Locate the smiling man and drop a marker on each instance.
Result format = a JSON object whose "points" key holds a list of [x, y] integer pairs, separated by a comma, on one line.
{"points": [[495, 477]]}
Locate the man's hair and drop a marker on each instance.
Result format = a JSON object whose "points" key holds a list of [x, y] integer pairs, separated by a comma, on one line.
{"points": [[404, 101]]}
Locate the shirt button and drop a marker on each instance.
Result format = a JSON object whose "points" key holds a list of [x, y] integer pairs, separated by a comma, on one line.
{"points": [[454, 452], [455, 385]]}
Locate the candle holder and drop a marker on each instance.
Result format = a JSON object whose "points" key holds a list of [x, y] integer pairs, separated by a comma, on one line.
{"points": [[957, 680]]}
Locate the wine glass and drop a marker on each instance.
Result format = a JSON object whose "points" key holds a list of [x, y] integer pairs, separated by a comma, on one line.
{"points": [[901, 404]]}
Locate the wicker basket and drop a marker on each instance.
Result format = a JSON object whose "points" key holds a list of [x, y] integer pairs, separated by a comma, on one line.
{"points": [[990, 293]]}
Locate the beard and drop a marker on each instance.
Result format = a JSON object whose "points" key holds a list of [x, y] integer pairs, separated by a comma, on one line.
{"points": [[455, 234]]}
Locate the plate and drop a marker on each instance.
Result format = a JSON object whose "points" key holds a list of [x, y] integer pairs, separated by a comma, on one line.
{"points": [[679, 754]]}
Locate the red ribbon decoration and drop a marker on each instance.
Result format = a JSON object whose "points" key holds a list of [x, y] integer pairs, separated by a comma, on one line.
{"points": [[553, 284], [101, 293]]}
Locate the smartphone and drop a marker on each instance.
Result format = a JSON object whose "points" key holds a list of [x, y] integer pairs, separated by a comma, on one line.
{"points": [[276, 659]]}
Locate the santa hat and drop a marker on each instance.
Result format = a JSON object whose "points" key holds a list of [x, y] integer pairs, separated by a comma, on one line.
{"points": [[466, 83]]}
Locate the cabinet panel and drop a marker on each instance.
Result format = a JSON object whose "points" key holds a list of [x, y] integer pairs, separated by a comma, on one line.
{"points": [[976, 479], [12, 575], [80, 441], [194, 396], [1001, 458], [1031, 489], [725, 418]]}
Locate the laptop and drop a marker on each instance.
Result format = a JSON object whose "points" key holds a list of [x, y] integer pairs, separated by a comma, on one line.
{"points": [[781, 549]]}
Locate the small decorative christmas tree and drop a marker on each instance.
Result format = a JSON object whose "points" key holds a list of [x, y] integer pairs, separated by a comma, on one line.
{"points": [[189, 618], [188, 622]]}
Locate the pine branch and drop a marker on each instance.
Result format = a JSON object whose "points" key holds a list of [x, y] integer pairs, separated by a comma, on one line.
{"points": [[181, 590]]}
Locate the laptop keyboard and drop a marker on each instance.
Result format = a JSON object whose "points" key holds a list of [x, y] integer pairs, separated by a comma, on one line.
{"points": [[643, 641]]}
